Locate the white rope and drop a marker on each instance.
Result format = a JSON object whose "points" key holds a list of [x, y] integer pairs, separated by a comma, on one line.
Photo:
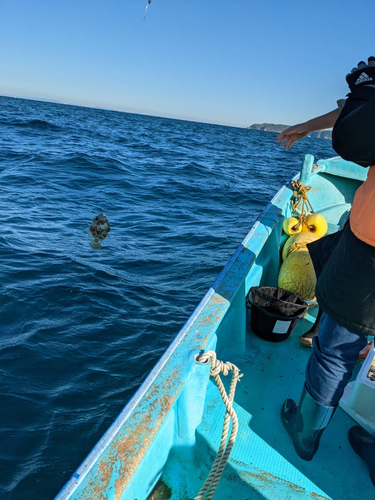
{"points": [[217, 367]]}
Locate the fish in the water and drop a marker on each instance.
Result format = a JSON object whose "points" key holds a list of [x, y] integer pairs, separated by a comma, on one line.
{"points": [[99, 230]]}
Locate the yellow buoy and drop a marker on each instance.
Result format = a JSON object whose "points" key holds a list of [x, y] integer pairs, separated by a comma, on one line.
{"points": [[298, 276], [297, 243], [291, 225], [317, 224]]}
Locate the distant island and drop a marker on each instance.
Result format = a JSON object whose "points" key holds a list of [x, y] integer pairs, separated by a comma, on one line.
{"points": [[273, 127]]}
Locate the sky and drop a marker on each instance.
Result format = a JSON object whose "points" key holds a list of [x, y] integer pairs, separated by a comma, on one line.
{"points": [[232, 62]]}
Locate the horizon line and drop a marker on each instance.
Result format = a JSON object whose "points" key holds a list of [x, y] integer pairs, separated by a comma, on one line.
{"points": [[57, 101]]}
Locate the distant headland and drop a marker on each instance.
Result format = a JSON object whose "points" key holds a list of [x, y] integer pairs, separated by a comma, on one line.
{"points": [[273, 127]]}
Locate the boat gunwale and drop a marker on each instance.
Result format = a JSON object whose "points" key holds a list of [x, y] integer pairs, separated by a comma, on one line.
{"points": [[88, 463]]}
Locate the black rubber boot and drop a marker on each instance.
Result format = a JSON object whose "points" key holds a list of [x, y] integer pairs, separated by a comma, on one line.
{"points": [[305, 423], [364, 445], [306, 338]]}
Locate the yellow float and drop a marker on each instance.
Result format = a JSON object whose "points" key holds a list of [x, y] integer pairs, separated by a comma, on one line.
{"points": [[302, 211], [297, 243], [316, 224], [291, 225], [297, 275]]}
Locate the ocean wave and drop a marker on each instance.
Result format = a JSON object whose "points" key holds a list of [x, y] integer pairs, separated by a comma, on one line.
{"points": [[35, 124]]}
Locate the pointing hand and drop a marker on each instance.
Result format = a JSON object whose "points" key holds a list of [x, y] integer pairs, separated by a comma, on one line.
{"points": [[291, 135]]}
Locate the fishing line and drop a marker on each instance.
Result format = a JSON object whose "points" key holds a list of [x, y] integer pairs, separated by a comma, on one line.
{"points": [[148, 3]]}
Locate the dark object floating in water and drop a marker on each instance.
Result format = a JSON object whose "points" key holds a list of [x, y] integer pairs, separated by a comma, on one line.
{"points": [[99, 230]]}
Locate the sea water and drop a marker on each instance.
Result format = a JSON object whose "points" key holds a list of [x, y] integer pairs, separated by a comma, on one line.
{"points": [[80, 328]]}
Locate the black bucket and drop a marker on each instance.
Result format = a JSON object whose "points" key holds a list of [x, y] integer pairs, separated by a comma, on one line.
{"points": [[275, 312]]}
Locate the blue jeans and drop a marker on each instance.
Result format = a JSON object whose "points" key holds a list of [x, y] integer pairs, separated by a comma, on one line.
{"points": [[335, 352]]}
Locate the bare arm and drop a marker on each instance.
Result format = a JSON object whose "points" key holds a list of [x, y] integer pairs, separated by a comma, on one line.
{"points": [[293, 134]]}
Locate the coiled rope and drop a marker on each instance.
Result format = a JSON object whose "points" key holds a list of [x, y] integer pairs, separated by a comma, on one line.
{"points": [[300, 202], [217, 367]]}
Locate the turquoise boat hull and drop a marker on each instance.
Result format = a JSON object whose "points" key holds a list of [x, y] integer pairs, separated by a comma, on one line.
{"points": [[164, 442]]}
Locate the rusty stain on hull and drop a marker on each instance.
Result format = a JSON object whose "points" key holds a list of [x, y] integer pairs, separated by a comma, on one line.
{"points": [[128, 449], [315, 495], [269, 480]]}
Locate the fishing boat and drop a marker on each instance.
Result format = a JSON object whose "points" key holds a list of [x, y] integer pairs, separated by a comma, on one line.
{"points": [[164, 442]]}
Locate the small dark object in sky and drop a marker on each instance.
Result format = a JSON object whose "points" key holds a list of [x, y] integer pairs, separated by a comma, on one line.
{"points": [[148, 3], [99, 230]]}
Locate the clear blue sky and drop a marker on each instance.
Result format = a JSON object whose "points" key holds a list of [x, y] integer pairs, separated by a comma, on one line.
{"points": [[233, 62]]}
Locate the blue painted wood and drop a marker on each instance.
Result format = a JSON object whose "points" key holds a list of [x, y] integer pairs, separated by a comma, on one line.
{"points": [[169, 429], [341, 168], [307, 169]]}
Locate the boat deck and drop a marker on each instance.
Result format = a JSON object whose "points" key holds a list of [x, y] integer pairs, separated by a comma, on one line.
{"points": [[263, 463]]}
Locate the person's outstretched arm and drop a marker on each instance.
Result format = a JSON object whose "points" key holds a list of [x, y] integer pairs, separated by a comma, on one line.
{"points": [[293, 134]]}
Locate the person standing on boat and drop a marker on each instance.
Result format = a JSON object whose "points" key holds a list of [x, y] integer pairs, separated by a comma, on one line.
{"points": [[345, 287]]}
